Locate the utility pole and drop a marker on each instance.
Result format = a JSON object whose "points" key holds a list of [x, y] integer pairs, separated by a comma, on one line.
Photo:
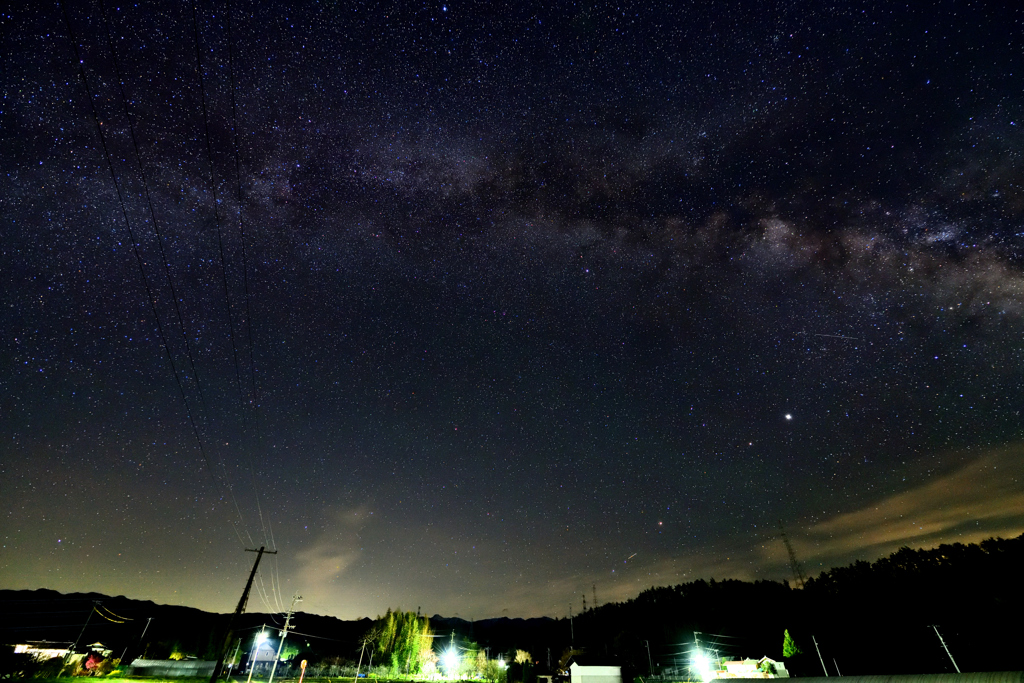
{"points": [[125, 651], [360, 665], [75, 645], [229, 636], [234, 657], [819, 655], [798, 571], [946, 648], [572, 633], [593, 587], [284, 634], [650, 666]]}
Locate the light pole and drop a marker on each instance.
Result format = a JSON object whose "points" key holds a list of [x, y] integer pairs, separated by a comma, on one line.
{"points": [[650, 667], [256, 650]]}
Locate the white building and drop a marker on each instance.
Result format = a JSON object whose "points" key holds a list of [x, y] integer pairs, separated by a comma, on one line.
{"points": [[43, 650], [594, 674]]}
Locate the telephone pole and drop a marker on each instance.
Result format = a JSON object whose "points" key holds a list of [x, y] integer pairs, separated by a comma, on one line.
{"points": [[75, 646], [284, 634], [572, 633], [948, 653], [229, 636]]}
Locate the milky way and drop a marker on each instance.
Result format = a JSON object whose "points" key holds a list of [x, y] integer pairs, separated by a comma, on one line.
{"points": [[493, 298]]}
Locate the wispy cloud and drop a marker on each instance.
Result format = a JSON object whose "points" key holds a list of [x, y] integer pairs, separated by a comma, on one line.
{"points": [[983, 498], [329, 555]]}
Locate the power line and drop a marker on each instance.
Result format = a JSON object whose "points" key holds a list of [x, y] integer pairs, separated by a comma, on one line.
{"points": [[116, 616], [152, 213], [134, 241], [245, 270], [216, 208], [220, 246], [163, 255]]}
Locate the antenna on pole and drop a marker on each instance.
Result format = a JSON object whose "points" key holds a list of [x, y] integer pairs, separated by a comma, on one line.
{"points": [[798, 572]]}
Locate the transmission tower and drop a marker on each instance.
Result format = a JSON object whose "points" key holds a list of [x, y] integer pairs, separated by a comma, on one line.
{"points": [[794, 565]]}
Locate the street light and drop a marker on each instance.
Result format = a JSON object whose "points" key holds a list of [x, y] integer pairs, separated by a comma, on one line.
{"points": [[702, 664], [450, 661], [261, 638]]}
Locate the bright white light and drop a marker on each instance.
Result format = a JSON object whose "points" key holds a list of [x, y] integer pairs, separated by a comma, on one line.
{"points": [[450, 662], [788, 416], [262, 637], [701, 662]]}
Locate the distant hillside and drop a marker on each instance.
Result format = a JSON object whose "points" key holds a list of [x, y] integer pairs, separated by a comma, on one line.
{"points": [[867, 618], [34, 615]]}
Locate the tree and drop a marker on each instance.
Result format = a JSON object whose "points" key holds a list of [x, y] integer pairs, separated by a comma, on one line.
{"points": [[405, 641], [523, 659], [493, 671], [789, 646]]}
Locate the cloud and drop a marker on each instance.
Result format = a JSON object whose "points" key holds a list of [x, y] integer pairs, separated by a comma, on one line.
{"points": [[327, 558], [981, 499]]}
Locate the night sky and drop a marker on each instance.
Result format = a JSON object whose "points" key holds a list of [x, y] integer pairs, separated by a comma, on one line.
{"points": [[478, 307]]}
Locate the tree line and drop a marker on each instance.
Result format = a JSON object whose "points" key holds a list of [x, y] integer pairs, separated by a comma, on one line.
{"points": [[875, 617]]}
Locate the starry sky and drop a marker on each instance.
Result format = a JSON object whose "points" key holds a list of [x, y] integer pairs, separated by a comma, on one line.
{"points": [[479, 307]]}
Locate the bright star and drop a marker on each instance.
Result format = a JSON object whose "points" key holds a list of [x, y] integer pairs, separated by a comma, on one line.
{"points": [[788, 416]]}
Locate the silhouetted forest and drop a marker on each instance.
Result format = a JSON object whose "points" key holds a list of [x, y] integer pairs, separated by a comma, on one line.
{"points": [[867, 618]]}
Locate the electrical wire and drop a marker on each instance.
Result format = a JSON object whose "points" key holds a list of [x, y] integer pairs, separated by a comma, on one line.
{"points": [[116, 616], [115, 621], [134, 242], [160, 242], [245, 273], [216, 203]]}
